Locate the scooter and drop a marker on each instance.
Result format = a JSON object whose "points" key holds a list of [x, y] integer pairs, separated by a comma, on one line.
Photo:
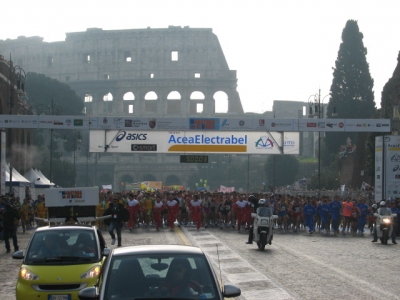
{"points": [[384, 226], [263, 229]]}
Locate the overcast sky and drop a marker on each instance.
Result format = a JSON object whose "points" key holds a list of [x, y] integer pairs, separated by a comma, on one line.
{"points": [[282, 50]]}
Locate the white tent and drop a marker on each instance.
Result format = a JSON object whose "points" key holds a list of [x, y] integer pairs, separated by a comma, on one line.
{"points": [[16, 177], [18, 183], [37, 177]]}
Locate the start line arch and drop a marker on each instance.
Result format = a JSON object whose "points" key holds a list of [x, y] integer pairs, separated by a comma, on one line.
{"points": [[240, 135]]}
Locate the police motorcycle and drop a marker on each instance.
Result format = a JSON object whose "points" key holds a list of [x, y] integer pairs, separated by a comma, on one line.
{"points": [[384, 219], [263, 225]]}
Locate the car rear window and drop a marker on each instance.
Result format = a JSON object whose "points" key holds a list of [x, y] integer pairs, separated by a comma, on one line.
{"points": [[156, 276]]}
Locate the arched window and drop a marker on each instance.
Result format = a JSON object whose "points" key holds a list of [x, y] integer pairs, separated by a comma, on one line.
{"points": [[88, 98], [221, 102], [151, 96], [174, 95], [196, 95], [129, 96], [108, 97]]}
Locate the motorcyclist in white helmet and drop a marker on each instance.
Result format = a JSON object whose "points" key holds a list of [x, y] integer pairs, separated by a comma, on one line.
{"points": [[383, 210]]}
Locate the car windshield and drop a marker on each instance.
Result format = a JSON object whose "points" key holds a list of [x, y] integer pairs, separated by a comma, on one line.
{"points": [[264, 211], [155, 276], [62, 247]]}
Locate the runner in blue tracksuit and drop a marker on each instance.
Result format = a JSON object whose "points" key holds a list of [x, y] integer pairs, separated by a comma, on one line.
{"points": [[336, 208], [324, 211], [309, 212], [362, 218]]}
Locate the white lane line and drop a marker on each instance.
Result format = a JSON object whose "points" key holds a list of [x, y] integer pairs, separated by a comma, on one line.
{"points": [[229, 259]]}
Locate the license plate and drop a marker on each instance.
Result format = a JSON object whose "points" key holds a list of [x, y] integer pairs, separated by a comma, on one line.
{"points": [[59, 297]]}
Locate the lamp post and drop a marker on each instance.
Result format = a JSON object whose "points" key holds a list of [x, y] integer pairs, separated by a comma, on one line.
{"points": [[17, 85], [53, 109], [315, 100]]}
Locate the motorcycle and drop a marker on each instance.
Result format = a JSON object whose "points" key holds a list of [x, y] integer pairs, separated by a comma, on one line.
{"points": [[263, 226], [384, 226]]}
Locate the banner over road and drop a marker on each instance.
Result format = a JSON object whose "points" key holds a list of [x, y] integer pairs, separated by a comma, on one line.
{"points": [[254, 123], [124, 141]]}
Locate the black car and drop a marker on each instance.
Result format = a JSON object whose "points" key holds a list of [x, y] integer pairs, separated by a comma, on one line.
{"points": [[158, 272]]}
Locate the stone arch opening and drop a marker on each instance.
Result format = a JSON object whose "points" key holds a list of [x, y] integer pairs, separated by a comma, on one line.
{"points": [[128, 105], [196, 102], [148, 177], [128, 96], [124, 180], [172, 180], [174, 102], [150, 103], [107, 99], [105, 179], [221, 102]]}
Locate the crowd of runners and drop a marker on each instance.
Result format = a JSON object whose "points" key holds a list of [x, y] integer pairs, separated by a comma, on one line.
{"points": [[202, 209]]}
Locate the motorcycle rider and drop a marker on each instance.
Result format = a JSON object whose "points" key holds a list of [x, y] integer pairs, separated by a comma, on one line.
{"points": [[383, 210], [261, 202]]}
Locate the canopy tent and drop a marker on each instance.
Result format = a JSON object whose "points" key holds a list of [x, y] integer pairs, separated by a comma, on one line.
{"points": [[37, 177], [17, 179]]}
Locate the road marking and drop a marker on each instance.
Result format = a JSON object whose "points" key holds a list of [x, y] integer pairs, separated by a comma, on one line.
{"points": [[254, 284], [182, 236]]}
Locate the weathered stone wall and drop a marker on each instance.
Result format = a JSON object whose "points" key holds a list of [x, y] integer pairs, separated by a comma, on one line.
{"points": [[138, 61], [98, 62]]}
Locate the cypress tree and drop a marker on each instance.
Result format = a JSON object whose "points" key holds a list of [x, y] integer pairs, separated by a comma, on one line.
{"points": [[352, 87]]}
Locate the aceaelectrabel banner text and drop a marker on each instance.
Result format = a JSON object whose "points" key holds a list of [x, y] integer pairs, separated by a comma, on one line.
{"points": [[126, 141]]}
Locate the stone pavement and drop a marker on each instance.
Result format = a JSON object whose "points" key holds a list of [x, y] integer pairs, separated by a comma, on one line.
{"points": [[295, 266], [300, 266]]}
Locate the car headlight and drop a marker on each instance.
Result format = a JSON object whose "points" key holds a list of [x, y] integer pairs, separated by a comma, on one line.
{"points": [[27, 275], [386, 220], [93, 272]]}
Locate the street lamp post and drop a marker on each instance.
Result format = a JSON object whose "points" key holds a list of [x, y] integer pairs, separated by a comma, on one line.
{"points": [[17, 84], [315, 100], [53, 109]]}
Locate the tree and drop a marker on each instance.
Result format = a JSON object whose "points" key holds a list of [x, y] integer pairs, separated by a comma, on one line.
{"points": [[44, 91], [390, 99], [391, 93], [351, 94], [351, 90], [41, 89], [281, 169]]}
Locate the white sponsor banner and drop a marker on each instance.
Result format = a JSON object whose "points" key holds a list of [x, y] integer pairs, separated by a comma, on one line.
{"points": [[378, 168], [367, 125], [83, 196], [226, 189], [128, 141], [255, 123], [236, 124], [392, 166], [321, 125], [16, 121]]}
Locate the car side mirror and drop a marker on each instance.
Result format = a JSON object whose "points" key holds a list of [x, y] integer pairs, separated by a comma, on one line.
{"points": [[106, 251], [394, 215], [376, 215], [253, 215], [274, 217], [88, 293], [231, 291], [18, 254]]}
